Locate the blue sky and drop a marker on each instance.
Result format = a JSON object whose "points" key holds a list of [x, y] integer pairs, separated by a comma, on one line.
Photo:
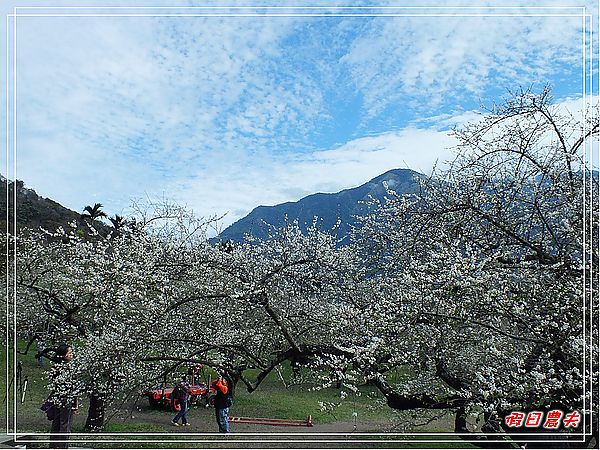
{"points": [[227, 113]]}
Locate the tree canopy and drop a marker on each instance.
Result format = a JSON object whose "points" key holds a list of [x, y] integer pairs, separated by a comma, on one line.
{"points": [[478, 287]]}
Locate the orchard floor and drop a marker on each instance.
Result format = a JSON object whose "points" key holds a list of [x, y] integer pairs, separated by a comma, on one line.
{"points": [[202, 420], [142, 418], [153, 429], [275, 398]]}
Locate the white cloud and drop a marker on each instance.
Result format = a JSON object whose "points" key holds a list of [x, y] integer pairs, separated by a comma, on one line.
{"points": [[237, 187], [224, 114], [429, 61], [169, 88]]}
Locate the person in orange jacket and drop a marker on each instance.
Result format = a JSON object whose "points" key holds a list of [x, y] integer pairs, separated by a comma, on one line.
{"points": [[223, 387]]}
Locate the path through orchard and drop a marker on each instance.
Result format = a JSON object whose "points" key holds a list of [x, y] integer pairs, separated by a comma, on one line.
{"points": [[142, 418]]}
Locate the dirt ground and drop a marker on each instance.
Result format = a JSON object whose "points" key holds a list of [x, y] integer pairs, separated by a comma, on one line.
{"points": [[202, 420], [151, 424]]}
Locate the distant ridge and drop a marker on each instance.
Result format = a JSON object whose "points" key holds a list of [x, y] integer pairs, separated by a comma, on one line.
{"points": [[328, 208]]}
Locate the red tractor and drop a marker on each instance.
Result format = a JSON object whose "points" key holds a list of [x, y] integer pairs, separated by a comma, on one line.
{"points": [[161, 397], [200, 393]]}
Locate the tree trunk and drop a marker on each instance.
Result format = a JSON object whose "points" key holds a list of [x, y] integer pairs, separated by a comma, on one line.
{"points": [[479, 439], [95, 418]]}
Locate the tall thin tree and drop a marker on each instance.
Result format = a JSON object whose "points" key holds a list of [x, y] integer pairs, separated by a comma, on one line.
{"points": [[93, 212]]}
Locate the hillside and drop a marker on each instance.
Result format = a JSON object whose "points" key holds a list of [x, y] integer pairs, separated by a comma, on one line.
{"points": [[34, 211]]}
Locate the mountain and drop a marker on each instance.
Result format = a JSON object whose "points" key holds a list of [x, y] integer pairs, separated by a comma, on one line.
{"points": [[34, 211], [328, 208]]}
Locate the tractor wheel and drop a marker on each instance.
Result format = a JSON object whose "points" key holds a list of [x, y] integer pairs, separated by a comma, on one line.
{"points": [[210, 401], [154, 403]]}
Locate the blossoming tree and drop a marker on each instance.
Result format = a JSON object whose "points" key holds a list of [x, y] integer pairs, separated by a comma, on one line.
{"points": [[482, 282]]}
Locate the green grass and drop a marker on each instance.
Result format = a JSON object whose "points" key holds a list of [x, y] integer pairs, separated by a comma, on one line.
{"points": [[274, 398], [297, 403], [116, 427], [28, 412]]}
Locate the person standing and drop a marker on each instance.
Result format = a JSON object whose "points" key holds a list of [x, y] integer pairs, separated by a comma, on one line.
{"points": [[223, 387], [63, 400], [40, 352], [181, 393]]}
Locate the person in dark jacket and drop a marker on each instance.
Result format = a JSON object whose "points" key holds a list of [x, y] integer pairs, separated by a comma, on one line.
{"points": [[181, 393], [66, 406], [223, 387]]}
